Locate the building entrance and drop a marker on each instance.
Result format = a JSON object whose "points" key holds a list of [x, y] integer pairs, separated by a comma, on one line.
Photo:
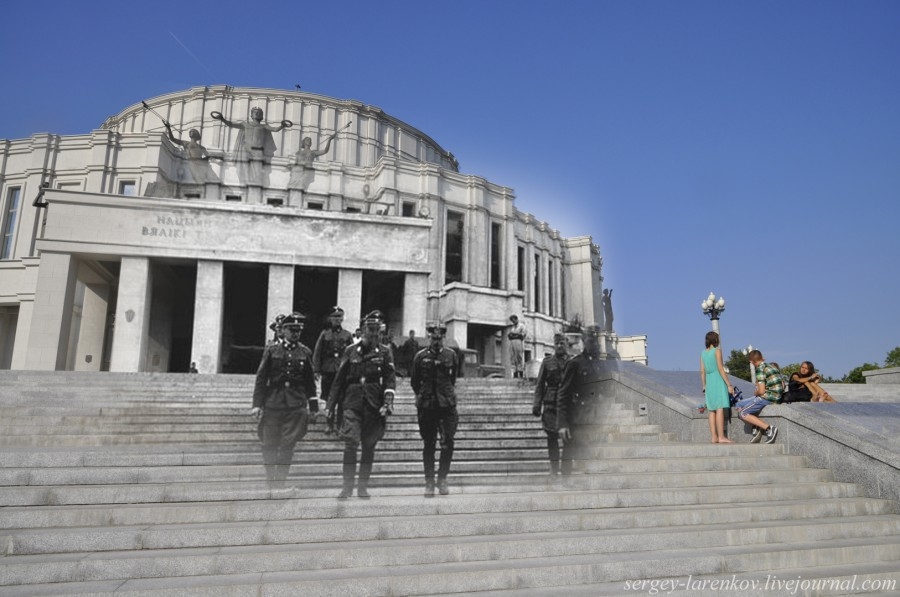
{"points": [[244, 319]]}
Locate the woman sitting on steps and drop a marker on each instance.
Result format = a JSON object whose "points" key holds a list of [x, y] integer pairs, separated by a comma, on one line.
{"points": [[804, 386]]}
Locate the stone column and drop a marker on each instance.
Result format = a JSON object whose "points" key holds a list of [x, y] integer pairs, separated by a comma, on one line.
{"points": [[132, 325], [281, 293], [89, 353], [458, 331], [23, 332], [52, 315], [209, 309], [349, 295], [415, 303]]}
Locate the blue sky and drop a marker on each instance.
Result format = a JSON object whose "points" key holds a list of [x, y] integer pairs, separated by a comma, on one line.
{"points": [[747, 148]]}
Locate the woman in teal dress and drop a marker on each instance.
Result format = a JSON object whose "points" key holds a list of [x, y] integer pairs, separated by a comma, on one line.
{"points": [[716, 387]]}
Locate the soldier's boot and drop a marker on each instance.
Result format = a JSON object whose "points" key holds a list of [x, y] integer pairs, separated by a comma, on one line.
{"points": [[443, 488], [271, 475], [362, 490], [349, 475], [429, 488], [281, 474]]}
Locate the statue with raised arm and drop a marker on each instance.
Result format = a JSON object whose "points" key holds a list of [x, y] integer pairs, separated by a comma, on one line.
{"points": [[302, 172], [196, 155], [255, 144], [606, 302]]}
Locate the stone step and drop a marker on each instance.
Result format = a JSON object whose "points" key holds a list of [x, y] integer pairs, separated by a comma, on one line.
{"points": [[291, 513], [351, 553], [516, 573], [301, 472], [473, 494], [401, 423], [249, 455], [873, 579]]}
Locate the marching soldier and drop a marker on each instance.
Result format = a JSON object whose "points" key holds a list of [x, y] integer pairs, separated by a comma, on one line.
{"points": [[433, 376], [577, 391], [329, 348], [284, 383], [545, 395], [364, 388]]}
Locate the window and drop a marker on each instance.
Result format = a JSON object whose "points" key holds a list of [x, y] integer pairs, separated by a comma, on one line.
{"points": [[495, 255], [315, 205], [551, 269], [409, 209], [353, 210], [127, 188], [192, 195], [275, 201], [233, 198], [9, 222], [520, 261], [537, 282], [453, 264]]}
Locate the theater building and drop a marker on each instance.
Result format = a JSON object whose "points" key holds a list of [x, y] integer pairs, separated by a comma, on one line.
{"points": [[127, 249]]}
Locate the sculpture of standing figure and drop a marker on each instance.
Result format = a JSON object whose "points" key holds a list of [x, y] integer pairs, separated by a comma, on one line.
{"points": [[606, 302], [196, 155], [302, 172], [255, 144]]}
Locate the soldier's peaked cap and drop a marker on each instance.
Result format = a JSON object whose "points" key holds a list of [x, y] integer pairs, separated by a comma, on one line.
{"points": [[294, 319], [436, 327], [277, 323], [336, 312], [375, 316], [592, 330]]}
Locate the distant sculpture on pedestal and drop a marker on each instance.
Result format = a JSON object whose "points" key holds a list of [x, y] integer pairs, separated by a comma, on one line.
{"points": [[606, 302], [255, 144], [302, 172], [195, 154]]}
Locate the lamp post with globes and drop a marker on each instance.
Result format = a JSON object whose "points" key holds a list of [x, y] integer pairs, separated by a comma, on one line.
{"points": [[712, 308], [746, 352]]}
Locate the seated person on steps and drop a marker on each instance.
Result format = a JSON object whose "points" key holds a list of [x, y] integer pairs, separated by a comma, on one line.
{"points": [[804, 386]]}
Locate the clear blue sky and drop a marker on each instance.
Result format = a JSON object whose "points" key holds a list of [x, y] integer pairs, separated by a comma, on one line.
{"points": [[749, 148]]}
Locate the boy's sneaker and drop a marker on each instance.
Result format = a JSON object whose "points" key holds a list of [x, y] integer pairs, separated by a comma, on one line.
{"points": [[771, 432], [757, 435]]}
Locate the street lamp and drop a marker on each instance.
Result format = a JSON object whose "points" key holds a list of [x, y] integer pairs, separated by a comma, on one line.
{"points": [[746, 352], [713, 308]]}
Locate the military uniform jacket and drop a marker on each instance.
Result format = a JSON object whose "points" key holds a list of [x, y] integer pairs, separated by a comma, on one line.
{"points": [[433, 377], [548, 381], [580, 386], [285, 377], [330, 348], [362, 378]]}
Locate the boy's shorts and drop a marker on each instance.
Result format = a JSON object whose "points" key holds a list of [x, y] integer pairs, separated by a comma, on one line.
{"points": [[751, 406]]}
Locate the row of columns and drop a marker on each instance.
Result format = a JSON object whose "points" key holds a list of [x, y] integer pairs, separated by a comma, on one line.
{"points": [[52, 311]]}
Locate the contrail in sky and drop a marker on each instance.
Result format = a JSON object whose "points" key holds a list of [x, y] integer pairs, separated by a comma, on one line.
{"points": [[191, 54]]}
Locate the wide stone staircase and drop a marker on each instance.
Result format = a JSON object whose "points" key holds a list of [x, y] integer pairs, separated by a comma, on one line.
{"points": [[152, 484]]}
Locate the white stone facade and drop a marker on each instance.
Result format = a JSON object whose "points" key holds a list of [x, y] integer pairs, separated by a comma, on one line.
{"points": [[136, 265]]}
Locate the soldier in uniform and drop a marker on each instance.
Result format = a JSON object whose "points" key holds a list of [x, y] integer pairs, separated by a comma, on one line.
{"points": [[545, 395], [578, 390], [364, 388], [328, 352], [284, 383], [432, 378], [275, 326]]}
